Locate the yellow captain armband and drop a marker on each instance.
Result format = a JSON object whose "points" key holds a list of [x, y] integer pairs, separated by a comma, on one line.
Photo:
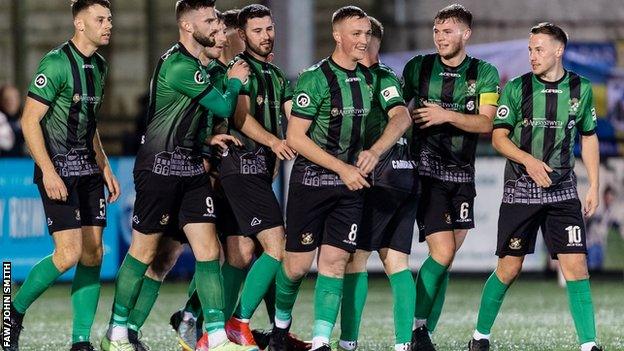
{"points": [[488, 99]]}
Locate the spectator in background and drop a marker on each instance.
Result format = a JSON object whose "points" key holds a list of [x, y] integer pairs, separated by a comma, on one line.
{"points": [[10, 109], [598, 228]]}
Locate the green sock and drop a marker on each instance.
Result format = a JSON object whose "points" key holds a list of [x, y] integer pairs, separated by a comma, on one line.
{"points": [[84, 296], [193, 305], [257, 283], [438, 303], [353, 300], [210, 290], [127, 288], [427, 285], [286, 291], [144, 303], [233, 279], [491, 301], [40, 278], [582, 308], [327, 296], [269, 301], [404, 298]]}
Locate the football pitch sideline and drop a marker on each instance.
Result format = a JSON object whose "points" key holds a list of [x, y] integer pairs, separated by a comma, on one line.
{"points": [[534, 316]]}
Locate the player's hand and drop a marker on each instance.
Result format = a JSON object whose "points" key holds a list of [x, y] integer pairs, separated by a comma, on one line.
{"points": [[430, 115], [282, 150], [367, 160], [222, 141], [239, 70], [538, 171], [114, 190], [54, 186], [591, 201], [353, 178]]}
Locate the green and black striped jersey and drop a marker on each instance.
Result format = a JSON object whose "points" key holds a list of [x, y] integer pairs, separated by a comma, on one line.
{"points": [[337, 101], [181, 93], [72, 86], [268, 90], [209, 123], [446, 152], [543, 119]]}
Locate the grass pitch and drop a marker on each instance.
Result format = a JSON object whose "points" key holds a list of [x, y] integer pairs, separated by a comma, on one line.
{"points": [[534, 316]]}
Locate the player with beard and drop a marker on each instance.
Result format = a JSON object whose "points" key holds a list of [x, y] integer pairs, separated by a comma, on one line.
{"points": [[71, 169], [455, 97], [170, 160]]}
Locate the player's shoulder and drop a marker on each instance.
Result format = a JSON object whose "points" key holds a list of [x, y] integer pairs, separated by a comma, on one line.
{"points": [[56, 56], [383, 70], [419, 59], [584, 80], [177, 60], [100, 59], [516, 82], [485, 66], [313, 73]]}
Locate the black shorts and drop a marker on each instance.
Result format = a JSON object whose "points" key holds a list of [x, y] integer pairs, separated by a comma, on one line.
{"points": [[445, 206], [85, 204], [226, 221], [161, 200], [322, 215], [561, 223], [253, 202], [388, 220]]}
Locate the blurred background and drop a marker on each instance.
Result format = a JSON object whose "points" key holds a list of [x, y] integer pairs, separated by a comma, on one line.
{"points": [[144, 29]]}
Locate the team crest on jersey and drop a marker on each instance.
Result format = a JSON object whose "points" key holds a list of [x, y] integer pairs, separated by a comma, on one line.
{"points": [[471, 87], [515, 243], [525, 122], [307, 238], [199, 77], [334, 112], [574, 106], [76, 98], [303, 100], [259, 100], [41, 81], [502, 112], [164, 220], [470, 106]]}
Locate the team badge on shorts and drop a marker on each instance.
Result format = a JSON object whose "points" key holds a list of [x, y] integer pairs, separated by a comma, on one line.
{"points": [[515, 243], [447, 218], [307, 238], [164, 220], [77, 214]]}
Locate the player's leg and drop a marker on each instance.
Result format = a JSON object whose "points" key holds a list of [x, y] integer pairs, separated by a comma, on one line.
{"points": [[354, 295], [396, 266], [239, 255]]}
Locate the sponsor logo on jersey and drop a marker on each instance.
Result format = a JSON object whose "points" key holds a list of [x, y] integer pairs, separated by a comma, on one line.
{"points": [[199, 77], [164, 220], [449, 74], [303, 100], [515, 243], [543, 123], [255, 221], [571, 124], [390, 93], [552, 91], [307, 238], [88, 65], [352, 79], [76, 98], [41, 81], [502, 112]]}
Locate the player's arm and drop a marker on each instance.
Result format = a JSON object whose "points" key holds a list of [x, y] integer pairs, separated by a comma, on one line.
{"points": [[433, 114], [298, 139], [247, 124], [591, 159], [114, 190]]}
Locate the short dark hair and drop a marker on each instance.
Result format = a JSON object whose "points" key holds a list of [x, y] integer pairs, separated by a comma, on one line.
{"points": [[184, 6], [455, 11], [347, 12], [377, 29], [230, 18], [79, 5], [553, 30], [252, 11]]}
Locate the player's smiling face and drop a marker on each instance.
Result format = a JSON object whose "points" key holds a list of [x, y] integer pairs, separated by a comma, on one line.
{"points": [[259, 35], [544, 52], [219, 39], [96, 22], [353, 36], [450, 37], [204, 25]]}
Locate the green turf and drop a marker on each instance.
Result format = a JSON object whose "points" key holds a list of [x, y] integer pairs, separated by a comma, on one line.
{"points": [[534, 317]]}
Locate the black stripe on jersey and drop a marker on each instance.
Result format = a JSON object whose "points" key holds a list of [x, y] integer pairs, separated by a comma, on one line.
{"points": [[332, 144], [90, 106], [186, 119], [356, 123], [550, 114], [575, 93], [526, 106], [470, 139], [424, 76], [76, 106], [152, 97], [446, 96], [268, 78]]}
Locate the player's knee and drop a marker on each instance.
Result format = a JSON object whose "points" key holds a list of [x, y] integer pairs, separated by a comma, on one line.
{"points": [[92, 256], [239, 259], [161, 265], [509, 272], [357, 262], [67, 257], [444, 255], [395, 263]]}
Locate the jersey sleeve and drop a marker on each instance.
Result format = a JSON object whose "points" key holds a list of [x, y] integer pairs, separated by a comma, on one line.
{"points": [[187, 79], [409, 79], [508, 112], [586, 118], [390, 93], [287, 90], [308, 96], [246, 87], [49, 79], [489, 90]]}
